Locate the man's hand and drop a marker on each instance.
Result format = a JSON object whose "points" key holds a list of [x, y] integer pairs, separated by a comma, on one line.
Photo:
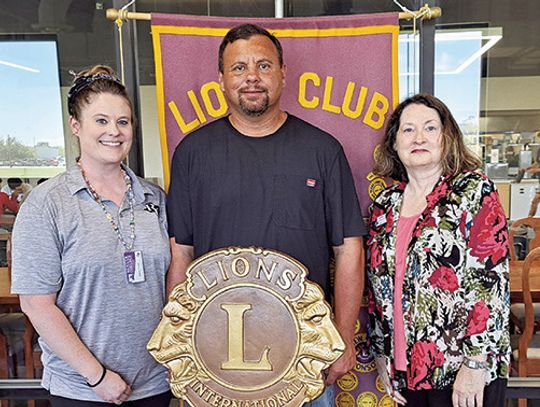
{"points": [[341, 366]]}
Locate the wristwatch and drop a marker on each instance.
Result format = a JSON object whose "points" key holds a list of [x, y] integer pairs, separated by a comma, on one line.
{"points": [[474, 364]]}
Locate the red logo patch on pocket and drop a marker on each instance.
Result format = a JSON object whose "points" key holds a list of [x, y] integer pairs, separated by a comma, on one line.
{"points": [[310, 182]]}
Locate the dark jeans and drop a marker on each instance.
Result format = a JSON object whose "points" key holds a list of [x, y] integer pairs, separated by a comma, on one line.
{"points": [[494, 396], [160, 400]]}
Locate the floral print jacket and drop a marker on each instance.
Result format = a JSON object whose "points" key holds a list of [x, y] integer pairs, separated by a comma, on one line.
{"points": [[456, 292]]}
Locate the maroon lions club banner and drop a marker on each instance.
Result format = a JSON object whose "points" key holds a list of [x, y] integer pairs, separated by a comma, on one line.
{"points": [[341, 77]]}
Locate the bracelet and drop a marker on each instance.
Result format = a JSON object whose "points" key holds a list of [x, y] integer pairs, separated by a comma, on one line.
{"points": [[100, 379], [474, 364]]}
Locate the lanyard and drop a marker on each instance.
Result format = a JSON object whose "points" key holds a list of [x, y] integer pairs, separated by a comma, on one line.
{"points": [[131, 200]]}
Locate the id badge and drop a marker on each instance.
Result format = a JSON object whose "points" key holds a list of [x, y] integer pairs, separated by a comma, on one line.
{"points": [[133, 264], [381, 220]]}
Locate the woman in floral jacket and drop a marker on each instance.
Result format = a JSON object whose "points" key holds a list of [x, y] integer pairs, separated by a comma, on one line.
{"points": [[438, 266]]}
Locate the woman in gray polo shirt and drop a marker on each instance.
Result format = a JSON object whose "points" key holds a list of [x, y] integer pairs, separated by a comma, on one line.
{"points": [[90, 253]]}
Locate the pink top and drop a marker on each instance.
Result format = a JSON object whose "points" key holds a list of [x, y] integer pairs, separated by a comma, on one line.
{"points": [[405, 229]]}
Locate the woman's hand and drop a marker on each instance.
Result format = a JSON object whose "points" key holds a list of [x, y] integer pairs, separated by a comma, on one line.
{"points": [[469, 387], [113, 389], [380, 362]]}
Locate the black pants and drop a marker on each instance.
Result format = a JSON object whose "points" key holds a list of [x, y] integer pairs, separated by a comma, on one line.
{"points": [[494, 396], [160, 400]]}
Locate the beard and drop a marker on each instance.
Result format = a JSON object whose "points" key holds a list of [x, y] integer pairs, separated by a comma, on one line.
{"points": [[254, 109]]}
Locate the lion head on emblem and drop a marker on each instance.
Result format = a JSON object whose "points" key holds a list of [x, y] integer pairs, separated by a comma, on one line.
{"points": [[320, 342], [172, 343]]}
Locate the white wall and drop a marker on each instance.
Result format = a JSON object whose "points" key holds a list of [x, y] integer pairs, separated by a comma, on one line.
{"points": [[153, 165]]}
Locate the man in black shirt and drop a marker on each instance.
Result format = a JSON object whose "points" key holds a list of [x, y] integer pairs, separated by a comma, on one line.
{"points": [[262, 177]]}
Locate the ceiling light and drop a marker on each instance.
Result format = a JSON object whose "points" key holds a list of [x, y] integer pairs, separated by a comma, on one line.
{"points": [[17, 66], [491, 35]]}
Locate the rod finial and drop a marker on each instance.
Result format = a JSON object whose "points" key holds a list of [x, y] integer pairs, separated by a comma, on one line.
{"points": [[112, 14], [436, 12]]}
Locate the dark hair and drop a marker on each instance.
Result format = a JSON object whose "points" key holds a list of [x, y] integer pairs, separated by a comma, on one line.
{"points": [[93, 81], [14, 182], [455, 156], [245, 32], [41, 181]]}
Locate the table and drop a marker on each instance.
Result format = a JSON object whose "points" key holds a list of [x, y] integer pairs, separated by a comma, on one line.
{"points": [[516, 286], [6, 298], [7, 221]]}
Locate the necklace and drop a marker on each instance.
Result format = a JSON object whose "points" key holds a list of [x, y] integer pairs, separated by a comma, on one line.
{"points": [[131, 200]]}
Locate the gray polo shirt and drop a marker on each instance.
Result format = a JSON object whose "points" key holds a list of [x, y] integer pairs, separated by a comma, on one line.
{"points": [[63, 244]]}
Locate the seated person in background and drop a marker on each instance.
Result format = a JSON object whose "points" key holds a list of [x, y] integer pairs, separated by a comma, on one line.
{"points": [[7, 202], [512, 158], [16, 184]]}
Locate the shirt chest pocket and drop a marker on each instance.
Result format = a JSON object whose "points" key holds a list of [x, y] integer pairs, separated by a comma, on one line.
{"points": [[297, 201]]}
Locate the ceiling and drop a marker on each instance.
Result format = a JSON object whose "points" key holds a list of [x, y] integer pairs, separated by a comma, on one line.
{"points": [[85, 35]]}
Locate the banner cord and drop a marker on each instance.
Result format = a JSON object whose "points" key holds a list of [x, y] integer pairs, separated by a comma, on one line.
{"points": [[403, 8], [119, 22], [425, 11], [127, 5]]}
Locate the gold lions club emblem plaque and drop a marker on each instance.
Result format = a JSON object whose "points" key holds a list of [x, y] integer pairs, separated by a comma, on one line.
{"points": [[246, 329]]}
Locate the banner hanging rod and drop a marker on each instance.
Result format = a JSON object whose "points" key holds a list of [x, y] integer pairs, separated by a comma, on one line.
{"points": [[425, 13]]}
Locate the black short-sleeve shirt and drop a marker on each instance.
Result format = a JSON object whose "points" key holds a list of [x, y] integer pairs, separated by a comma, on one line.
{"points": [[290, 191]]}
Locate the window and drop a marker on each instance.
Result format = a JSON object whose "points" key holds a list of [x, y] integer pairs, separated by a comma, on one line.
{"points": [[32, 133]]}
